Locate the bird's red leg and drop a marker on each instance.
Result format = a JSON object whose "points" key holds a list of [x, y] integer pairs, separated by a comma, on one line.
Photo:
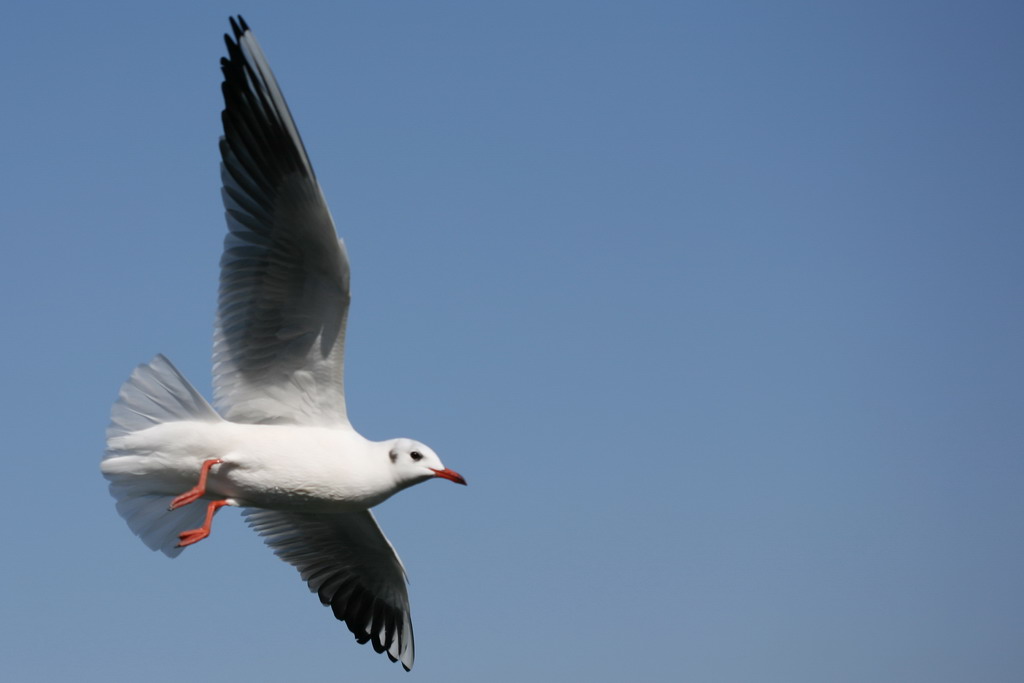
{"points": [[197, 491], [195, 535]]}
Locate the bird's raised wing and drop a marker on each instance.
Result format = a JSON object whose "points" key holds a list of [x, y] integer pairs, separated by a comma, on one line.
{"points": [[284, 294], [346, 560]]}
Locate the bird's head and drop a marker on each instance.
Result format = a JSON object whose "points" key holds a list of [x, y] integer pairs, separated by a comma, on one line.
{"points": [[415, 462]]}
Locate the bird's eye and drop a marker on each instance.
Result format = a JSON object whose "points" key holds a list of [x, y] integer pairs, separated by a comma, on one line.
{"points": [[416, 455]]}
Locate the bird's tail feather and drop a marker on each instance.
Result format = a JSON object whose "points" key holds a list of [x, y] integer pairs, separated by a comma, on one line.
{"points": [[155, 393]]}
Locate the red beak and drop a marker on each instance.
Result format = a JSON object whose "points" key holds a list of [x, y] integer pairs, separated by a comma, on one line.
{"points": [[451, 475]]}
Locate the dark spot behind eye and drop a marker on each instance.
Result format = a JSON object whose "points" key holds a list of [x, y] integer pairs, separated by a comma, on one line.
{"points": [[416, 455]]}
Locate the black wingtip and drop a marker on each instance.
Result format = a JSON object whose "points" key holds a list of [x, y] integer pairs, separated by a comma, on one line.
{"points": [[238, 26]]}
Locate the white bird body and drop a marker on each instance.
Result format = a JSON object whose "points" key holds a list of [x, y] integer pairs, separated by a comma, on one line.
{"points": [[281, 446], [277, 467]]}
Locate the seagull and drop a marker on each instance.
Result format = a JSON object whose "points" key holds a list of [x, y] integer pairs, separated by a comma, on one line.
{"points": [[279, 443]]}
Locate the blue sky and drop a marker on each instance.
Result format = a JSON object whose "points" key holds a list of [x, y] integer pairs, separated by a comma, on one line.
{"points": [[717, 306]]}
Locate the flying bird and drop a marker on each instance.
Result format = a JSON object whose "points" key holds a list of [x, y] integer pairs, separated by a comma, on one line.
{"points": [[279, 443]]}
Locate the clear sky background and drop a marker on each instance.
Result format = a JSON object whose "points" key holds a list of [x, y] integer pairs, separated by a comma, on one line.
{"points": [[716, 305]]}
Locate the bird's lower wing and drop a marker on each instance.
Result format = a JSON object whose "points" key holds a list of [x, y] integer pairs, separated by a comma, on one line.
{"points": [[347, 561]]}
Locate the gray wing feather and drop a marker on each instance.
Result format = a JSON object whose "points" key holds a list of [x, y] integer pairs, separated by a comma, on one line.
{"points": [[284, 291], [347, 561]]}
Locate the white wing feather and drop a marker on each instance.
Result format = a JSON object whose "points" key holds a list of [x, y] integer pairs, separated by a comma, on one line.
{"points": [[347, 561], [284, 288]]}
